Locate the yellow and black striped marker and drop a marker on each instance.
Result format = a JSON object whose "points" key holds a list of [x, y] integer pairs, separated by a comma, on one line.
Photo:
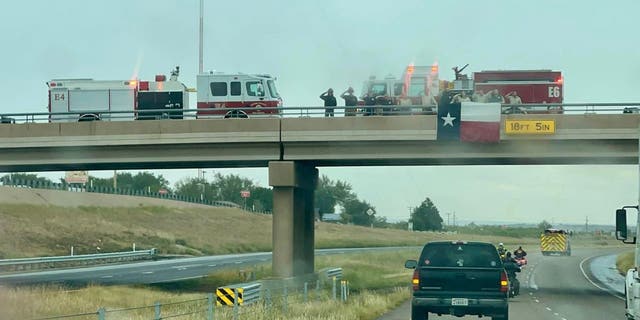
{"points": [[226, 296]]}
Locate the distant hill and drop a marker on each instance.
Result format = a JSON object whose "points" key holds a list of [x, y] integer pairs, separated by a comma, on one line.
{"points": [[36, 222], [75, 199]]}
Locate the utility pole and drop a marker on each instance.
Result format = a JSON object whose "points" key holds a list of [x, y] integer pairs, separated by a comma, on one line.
{"points": [[115, 179], [448, 220], [454, 218], [200, 67], [409, 223], [586, 225]]}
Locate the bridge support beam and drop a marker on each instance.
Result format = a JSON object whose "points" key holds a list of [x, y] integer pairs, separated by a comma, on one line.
{"points": [[293, 185]]}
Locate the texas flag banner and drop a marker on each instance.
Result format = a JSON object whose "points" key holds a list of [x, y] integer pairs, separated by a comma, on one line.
{"points": [[469, 122]]}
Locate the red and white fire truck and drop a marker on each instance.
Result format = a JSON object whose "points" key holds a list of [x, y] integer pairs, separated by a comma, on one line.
{"points": [[237, 95], [114, 100], [219, 95]]}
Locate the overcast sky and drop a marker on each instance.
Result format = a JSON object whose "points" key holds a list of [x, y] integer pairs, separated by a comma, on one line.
{"points": [[313, 45]]}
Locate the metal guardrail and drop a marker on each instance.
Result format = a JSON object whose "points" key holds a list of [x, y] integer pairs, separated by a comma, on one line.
{"points": [[309, 111], [72, 260], [329, 274], [81, 257], [238, 294], [257, 301], [334, 273]]}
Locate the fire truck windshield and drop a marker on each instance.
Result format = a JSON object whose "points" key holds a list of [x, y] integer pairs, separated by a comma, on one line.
{"points": [[272, 89], [416, 88]]}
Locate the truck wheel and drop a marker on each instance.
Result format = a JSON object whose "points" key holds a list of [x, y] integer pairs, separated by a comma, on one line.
{"points": [[419, 314], [236, 114], [89, 117]]}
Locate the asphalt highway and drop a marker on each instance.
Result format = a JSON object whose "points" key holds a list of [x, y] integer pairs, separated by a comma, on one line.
{"points": [[554, 288]]}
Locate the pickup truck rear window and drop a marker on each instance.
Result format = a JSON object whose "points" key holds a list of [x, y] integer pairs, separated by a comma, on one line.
{"points": [[476, 255]]}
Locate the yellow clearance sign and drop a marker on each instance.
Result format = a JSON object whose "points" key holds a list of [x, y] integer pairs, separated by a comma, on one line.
{"points": [[512, 126]]}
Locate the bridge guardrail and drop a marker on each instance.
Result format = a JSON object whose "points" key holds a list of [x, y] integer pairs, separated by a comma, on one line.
{"points": [[317, 111], [23, 263]]}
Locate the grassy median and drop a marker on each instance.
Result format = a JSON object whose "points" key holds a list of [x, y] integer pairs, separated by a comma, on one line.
{"points": [[625, 261], [30, 230], [378, 284]]}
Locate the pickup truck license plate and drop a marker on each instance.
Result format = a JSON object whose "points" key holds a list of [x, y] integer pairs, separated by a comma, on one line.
{"points": [[459, 302]]}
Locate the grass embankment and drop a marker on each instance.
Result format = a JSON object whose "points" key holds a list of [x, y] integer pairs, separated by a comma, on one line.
{"points": [[624, 262], [33, 230], [380, 270]]}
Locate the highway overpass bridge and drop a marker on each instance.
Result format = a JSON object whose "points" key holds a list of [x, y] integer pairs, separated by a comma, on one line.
{"points": [[292, 148]]}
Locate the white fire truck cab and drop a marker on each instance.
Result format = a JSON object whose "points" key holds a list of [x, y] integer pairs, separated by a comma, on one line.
{"points": [[114, 100], [237, 95]]}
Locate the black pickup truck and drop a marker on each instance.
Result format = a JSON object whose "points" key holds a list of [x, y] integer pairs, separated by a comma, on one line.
{"points": [[459, 278]]}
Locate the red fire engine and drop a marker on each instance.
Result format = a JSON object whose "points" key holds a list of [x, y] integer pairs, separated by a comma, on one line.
{"points": [[219, 95], [112, 100], [523, 86]]}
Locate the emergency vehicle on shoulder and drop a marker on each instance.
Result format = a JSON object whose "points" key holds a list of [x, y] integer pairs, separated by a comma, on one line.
{"points": [[237, 95], [90, 100]]}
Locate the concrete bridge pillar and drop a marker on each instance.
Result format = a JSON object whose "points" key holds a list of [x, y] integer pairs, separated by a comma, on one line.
{"points": [[293, 185]]}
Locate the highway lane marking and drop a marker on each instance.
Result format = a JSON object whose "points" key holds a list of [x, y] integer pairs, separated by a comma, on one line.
{"points": [[532, 278], [212, 265], [185, 266], [548, 309], [556, 314], [106, 277], [147, 272], [592, 282]]}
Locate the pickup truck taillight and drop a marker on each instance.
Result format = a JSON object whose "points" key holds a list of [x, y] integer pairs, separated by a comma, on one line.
{"points": [[504, 282], [415, 281]]}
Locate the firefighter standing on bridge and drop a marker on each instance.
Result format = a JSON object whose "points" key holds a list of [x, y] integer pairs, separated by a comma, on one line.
{"points": [[350, 102], [329, 102]]}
